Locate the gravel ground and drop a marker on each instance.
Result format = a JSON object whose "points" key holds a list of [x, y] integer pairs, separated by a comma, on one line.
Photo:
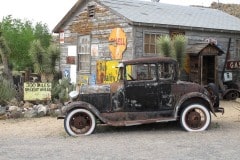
{"points": [[45, 138]]}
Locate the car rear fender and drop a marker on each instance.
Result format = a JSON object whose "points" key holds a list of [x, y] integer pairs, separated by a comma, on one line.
{"points": [[192, 96]]}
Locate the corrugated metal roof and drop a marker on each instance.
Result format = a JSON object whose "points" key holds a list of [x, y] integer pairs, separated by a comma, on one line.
{"points": [[144, 12]]}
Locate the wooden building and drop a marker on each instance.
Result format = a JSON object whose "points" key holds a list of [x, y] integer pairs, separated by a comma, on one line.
{"points": [[203, 63], [96, 34]]}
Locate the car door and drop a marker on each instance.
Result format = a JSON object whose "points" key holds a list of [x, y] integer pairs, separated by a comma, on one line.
{"points": [[166, 77], [141, 89]]}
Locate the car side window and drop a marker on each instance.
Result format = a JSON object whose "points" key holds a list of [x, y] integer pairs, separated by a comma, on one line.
{"points": [[166, 71], [142, 72]]}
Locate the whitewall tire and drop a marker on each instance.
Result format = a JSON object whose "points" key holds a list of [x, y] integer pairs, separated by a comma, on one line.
{"points": [[195, 117], [79, 122]]}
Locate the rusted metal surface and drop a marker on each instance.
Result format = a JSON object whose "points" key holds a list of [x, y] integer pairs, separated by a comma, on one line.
{"points": [[136, 118], [133, 102]]}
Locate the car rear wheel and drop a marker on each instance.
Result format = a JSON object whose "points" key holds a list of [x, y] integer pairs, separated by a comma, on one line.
{"points": [[195, 117], [79, 122]]}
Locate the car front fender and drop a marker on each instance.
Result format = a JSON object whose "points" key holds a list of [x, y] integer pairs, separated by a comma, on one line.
{"points": [[80, 104]]}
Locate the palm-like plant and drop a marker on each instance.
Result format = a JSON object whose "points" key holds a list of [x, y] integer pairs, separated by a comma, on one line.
{"points": [[179, 47], [44, 59], [165, 46], [38, 55]]}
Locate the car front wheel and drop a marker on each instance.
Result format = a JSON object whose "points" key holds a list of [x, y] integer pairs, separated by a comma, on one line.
{"points": [[195, 117], [79, 122]]}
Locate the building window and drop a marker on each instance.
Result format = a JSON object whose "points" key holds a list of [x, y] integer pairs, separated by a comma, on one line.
{"points": [[238, 48], [84, 56], [174, 33], [150, 45]]}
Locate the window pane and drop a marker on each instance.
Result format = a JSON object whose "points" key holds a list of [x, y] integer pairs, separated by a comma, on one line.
{"points": [[152, 49], [146, 48], [152, 39], [147, 38]]}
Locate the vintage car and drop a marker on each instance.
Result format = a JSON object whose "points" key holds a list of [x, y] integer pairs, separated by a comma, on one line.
{"points": [[148, 90]]}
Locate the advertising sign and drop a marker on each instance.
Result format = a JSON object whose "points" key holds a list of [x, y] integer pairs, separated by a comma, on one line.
{"points": [[37, 91], [118, 43], [233, 65]]}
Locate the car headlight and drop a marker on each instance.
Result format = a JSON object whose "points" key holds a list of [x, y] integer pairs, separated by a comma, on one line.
{"points": [[73, 94]]}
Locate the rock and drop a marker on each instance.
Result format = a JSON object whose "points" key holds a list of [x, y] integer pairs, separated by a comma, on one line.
{"points": [[3, 117], [13, 108], [27, 105], [15, 114], [31, 113], [53, 106], [41, 110], [3, 110], [55, 112]]}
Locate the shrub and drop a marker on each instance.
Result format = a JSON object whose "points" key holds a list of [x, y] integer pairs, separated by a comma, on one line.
{"points": [[61, 89], [7, 91]]}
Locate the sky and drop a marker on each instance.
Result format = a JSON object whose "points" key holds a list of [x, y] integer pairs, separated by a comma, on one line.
{"points": [[52, 11]]}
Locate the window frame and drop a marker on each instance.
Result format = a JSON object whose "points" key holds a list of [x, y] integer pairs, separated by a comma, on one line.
{"points": [[86, 54], [156, 35]]}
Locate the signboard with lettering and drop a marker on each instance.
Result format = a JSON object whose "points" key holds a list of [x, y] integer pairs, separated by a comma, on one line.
{"points": [[233, 65], [118, 43], [37, 91]]}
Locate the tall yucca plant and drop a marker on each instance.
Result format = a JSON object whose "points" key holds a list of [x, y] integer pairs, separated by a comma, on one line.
{"points": [[53, 54], [165, 46], [38, 55], [179, 47], [4, 56]]}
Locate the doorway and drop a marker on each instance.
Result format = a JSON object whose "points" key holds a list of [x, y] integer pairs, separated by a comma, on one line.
{"points": [[208, 70]]}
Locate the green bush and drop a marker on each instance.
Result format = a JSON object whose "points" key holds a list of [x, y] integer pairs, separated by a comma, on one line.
{"points": [[7, 91], [61, 89]]}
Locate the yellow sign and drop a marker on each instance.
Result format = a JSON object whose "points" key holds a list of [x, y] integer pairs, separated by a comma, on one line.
{"points": [[37, 91], [107, 71], [83, 80], [101, 71], [118, 43], [111, 72]]}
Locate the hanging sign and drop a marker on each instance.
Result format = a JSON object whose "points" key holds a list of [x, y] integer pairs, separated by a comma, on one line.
{"points": [[118, 43]]}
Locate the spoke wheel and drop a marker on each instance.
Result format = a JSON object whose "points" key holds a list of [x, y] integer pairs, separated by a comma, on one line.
{"points": [[79, 122], [195, 118]]}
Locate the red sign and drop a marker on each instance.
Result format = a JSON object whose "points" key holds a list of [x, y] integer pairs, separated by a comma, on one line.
{"points": [[70, 59], [233, 65]]}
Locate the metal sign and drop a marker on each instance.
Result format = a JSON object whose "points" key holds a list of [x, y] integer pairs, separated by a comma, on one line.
{"points": [[118, 43], [233, 65]]}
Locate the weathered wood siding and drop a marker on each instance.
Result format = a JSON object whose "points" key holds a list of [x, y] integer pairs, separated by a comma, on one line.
{"points": [[193, 38], [99, 28]]}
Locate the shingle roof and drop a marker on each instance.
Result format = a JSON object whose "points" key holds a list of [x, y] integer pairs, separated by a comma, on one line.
{"points": [[166, 15], [146, 12], [195, 49]]}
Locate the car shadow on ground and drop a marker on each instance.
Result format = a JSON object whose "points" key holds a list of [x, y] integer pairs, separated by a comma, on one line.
{"points": [[166, 126]]}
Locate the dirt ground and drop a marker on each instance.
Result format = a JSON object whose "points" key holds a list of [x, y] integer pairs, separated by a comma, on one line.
{"points": [[50, 126], [45, 137]]}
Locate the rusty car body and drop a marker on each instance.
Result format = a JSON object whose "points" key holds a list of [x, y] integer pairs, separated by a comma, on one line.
{"points": [[148, 90]]}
